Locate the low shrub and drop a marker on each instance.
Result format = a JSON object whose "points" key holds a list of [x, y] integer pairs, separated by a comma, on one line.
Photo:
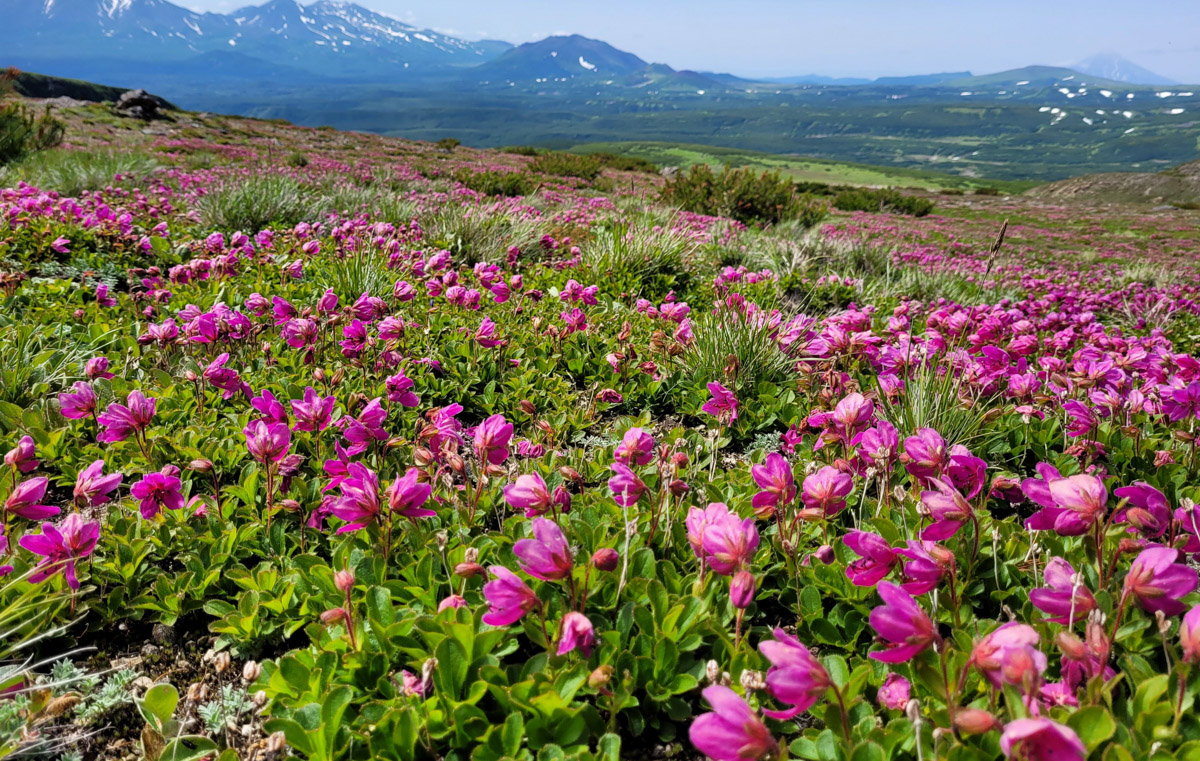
{"points": [[494, 183], [22, 132], [742, 195], [567, 165], [887, 200]]}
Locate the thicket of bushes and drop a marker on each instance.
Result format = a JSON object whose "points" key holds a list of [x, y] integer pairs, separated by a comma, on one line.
{"points": [[743, 195], [882, 199], [495, 183], [23, 132]]}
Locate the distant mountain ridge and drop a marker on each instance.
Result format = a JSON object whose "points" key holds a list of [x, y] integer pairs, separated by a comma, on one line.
{"points": [[1114, 67]]}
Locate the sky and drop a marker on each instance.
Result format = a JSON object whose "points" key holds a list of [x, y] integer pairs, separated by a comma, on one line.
{"points": [[860, 38]]}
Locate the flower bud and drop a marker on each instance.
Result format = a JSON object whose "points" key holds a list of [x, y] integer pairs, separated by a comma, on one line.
{"points": [[422, 457], [605, 559], [678, 488], [221, 661], [913, 711], [825, 554], [259, 698], [495, 471], [752, 680], [201, 465], [197, 691], [1071, 646], [741, 589], [290, 505], [441, 538], [570, 473], [251, 670], [974, 721], [562, 498], [712, 672], [468, 570], [452, 601], [679, 460], [276, 743], [601, 676], [457, 464], [336, 380], [319, 375], [528, 408], [344, 580], [333, 616]]}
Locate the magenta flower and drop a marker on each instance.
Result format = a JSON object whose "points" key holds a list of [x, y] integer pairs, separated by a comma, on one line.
{"points": [[1065, 600], [722, 404], [626, 487], [267, 442], [491, 440], [359, 504], [895, 692], [79, 404], [59, 245], [924, 455], [1146, 510], [92, 487], [795, 677], [948, 509], [271, 409], [508, 597], [636, 448], [529, 493], [964, 471], [698, 520], [1041, 740], [741, 589], [1158, 582], [408, 493], [546, 556], [399, 390], [880, 444], [576, 633], [300, 333], [729, 542], [226, 378], [483, 335], [282, 310], [102, 297], [1182, 403], [852, 416], [928, 563], [157, 491], [1189, 635], [774, 477], [314, 412], [824, 492], [1009, 655], [366, 428], [96, 368], [902, 626], [120, 421], [731, 731], [22, 457], [876, 558], [24, 499], [1070, 506], [62, 546], [1080, 420]]}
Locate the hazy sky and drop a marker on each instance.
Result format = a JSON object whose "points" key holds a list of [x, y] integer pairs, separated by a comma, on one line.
{"points": [[832, 37]]}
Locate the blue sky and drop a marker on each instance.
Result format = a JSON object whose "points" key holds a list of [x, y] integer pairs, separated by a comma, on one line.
{"points": [[833, 37]]}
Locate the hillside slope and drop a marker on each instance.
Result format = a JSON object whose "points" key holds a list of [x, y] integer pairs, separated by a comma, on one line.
{"points": [[1176, 186]]}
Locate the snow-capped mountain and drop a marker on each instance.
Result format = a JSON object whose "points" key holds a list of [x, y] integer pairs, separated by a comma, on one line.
{"points": [[1114, 67], [326, 37]]}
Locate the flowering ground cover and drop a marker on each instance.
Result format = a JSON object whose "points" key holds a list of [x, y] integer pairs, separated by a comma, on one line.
{"points": [[314, 447]]}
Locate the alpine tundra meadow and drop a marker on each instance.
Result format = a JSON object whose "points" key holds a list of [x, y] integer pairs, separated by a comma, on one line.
{"points": [[330, 445]]}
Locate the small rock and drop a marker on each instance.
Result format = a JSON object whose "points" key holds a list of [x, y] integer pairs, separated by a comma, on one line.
{"points": [[143, 683], [163, 634], [149, 650]]}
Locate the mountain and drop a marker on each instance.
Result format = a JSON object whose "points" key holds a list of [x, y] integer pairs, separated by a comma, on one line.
{"points": [[326, 38], [1113, 66], [1035, 77], [922, 79], [558, 58], [816, 79]]}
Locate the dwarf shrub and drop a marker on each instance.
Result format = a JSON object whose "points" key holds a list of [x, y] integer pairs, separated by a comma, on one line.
{"points": [[765, 198]]}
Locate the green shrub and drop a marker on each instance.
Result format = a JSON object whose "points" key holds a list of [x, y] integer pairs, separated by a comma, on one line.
{"points": [[986, 191], [567, 165], [250, 204], [21, 131], [495, 183], [521, 150], [742, 195], [626, 163], [886, 200], [297, 159], [448, 144]]}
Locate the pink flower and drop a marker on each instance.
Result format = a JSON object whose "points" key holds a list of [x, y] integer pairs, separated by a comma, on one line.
{"points": [[80, 404], [731, 731], [925, 455], [59, 245], [22, 457], [491, 439], [1009, 655], [1189, 635], [314, 412], [741, 589], [508, 598], [824, 492], [96, 368], [407, 494], [851, 416], [529, 493], [729, 542], [120, 421], [774, 477], [965, 472], [895, 692], [62, 546], [1080, 420], [626, 487], [546, 556], [928, 563], [1146, 510], [902, 626], [157, 491], [1065, 601], [92, 487], [876, 558], [722, 404], [795, 677], [948, 509], [399, 390], [1076, 503], [359, 504], [366, 428], [267, 442], [1158, 582], [698, 520], [576, 633], [452, 601], [270, 408], [636, 448], [483, 336], [102, 297], [1041, 740], [880, 445], [23, 500]]}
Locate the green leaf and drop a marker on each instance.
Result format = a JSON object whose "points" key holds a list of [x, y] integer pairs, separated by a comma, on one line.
{"points": [[188, 748], [1093, 724], [513, 733], [158, 705], [451, 672], [609, 748]]}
